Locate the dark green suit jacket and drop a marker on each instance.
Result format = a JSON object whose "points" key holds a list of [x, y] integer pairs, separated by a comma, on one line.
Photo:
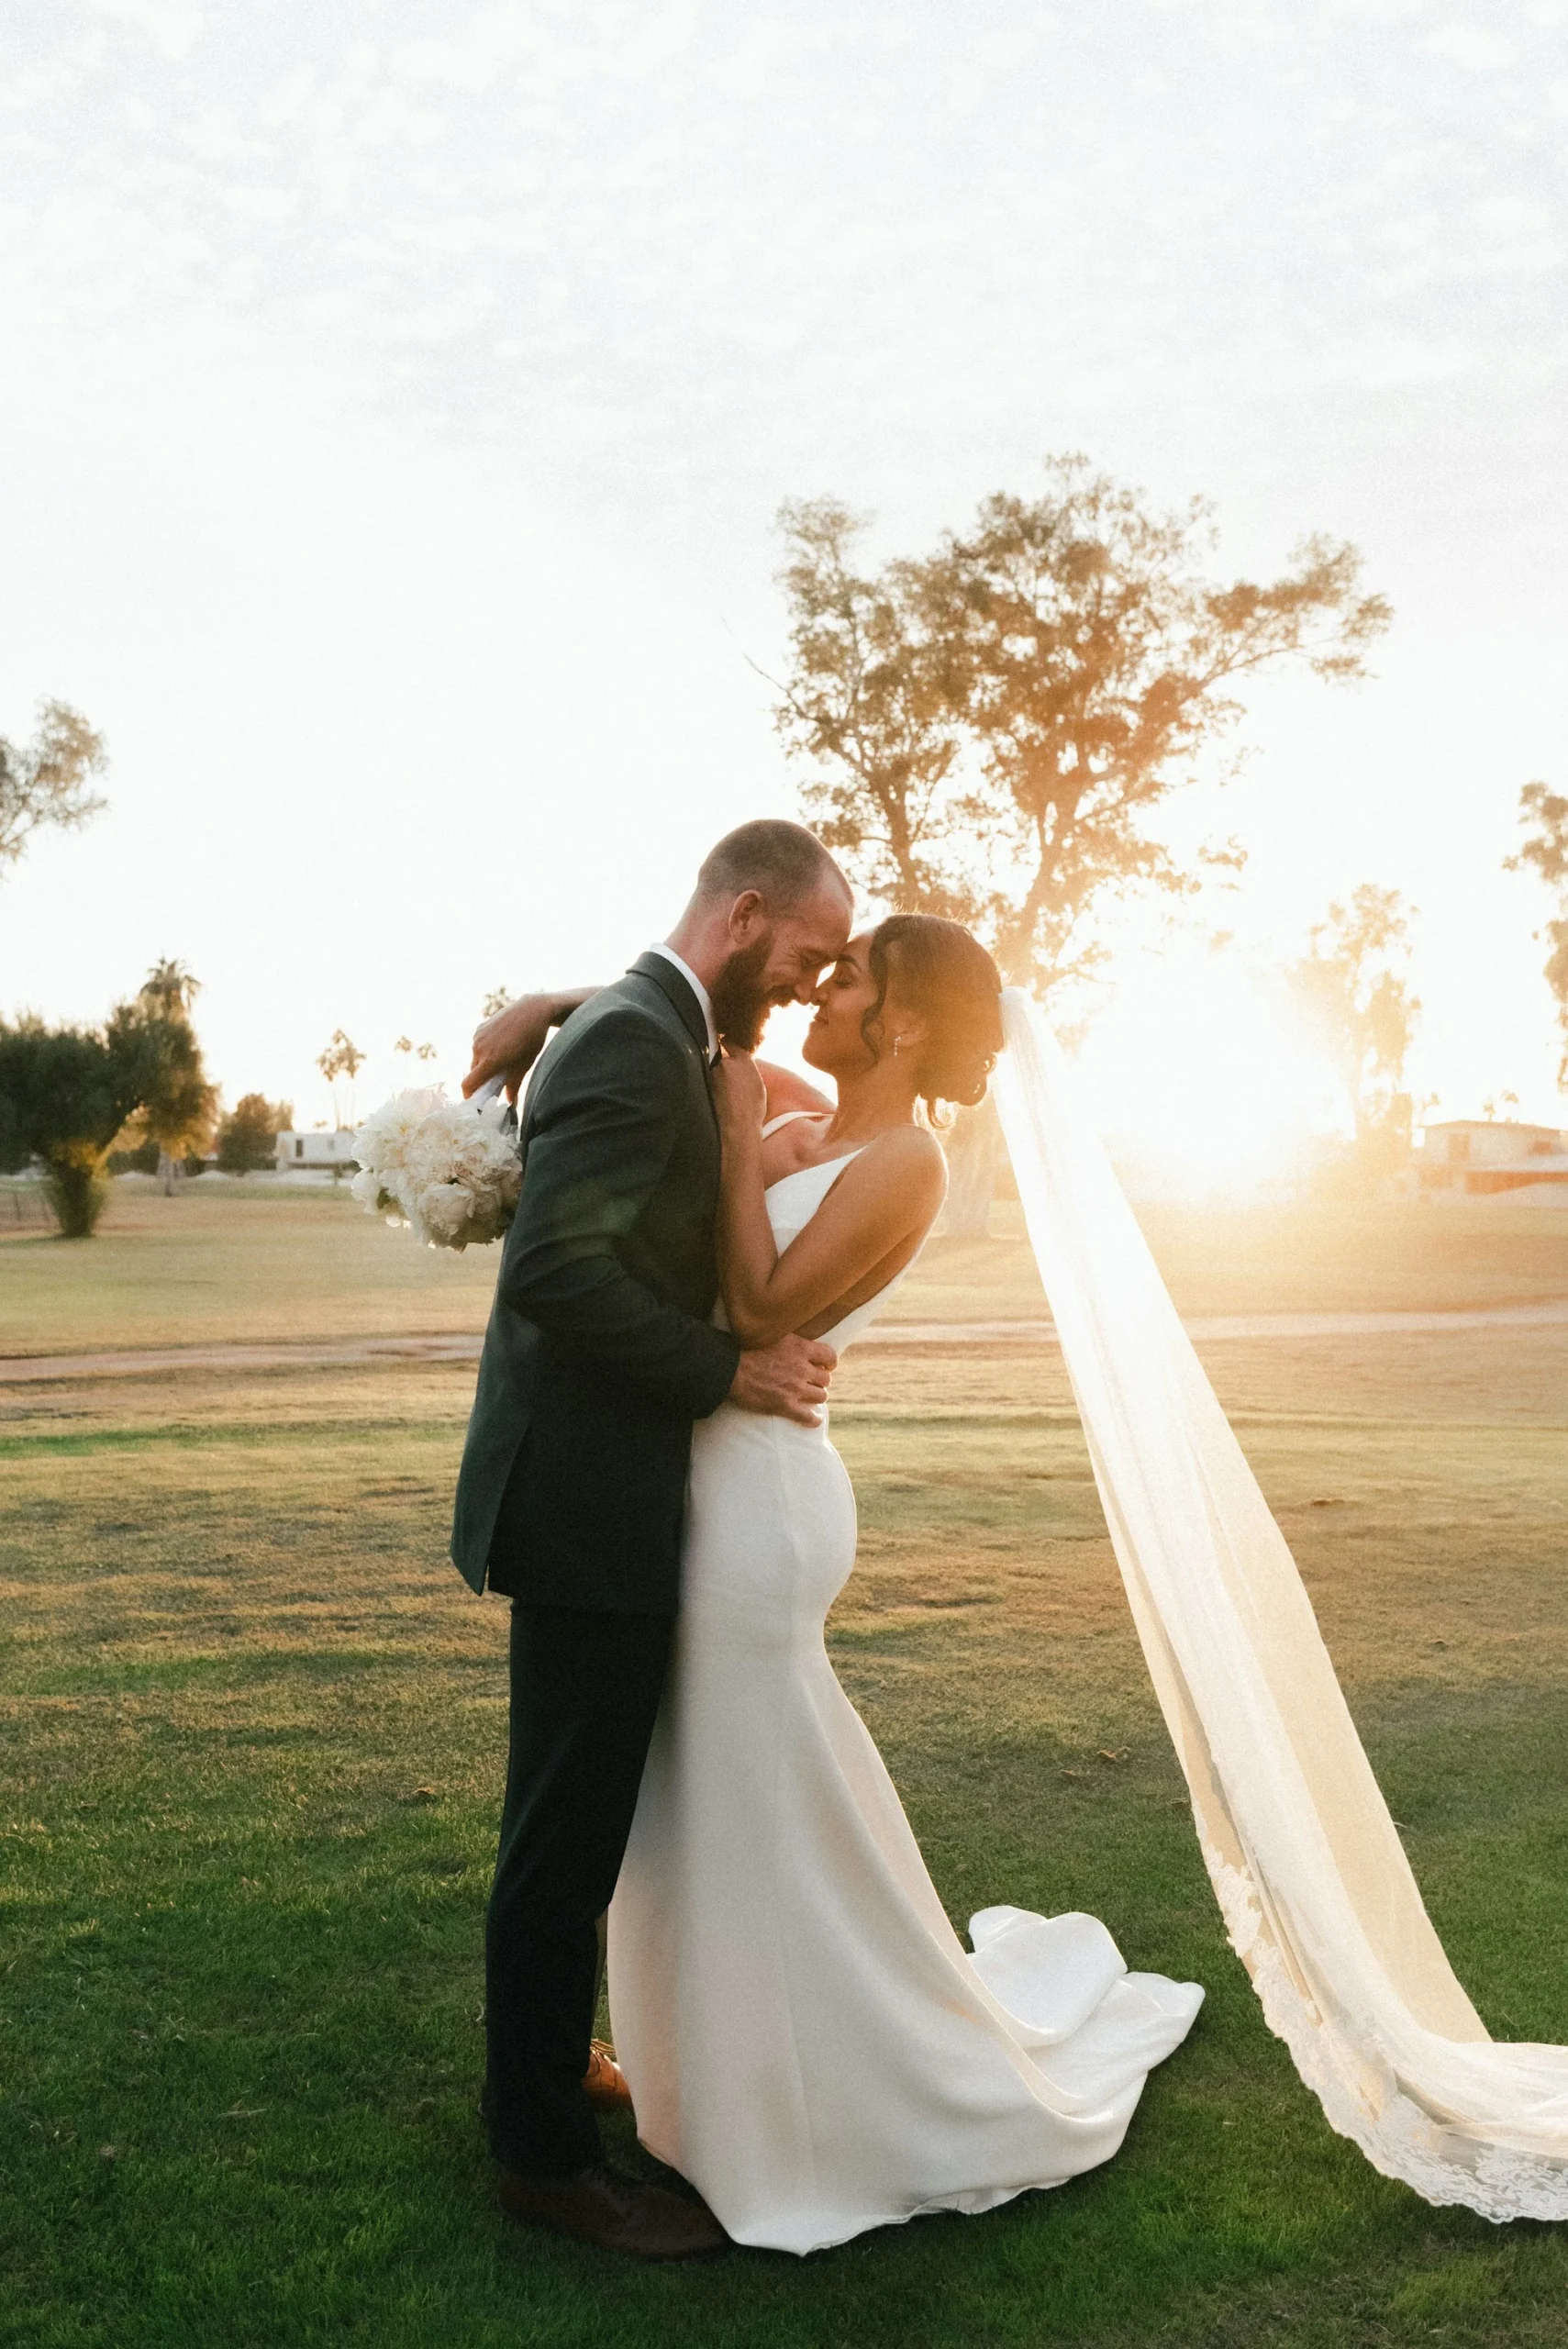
{"points": [[600, 1352]]}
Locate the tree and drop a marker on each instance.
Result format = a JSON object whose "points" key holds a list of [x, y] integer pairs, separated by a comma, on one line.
{"points": [[66, 1093], [496, 1000], [1545, 852], [1351, 986], [996, 727], [415, 1051], [48, 781], [179, 1120], [248, 1136], [171, 987], [1000, 720], [340, 1057]]}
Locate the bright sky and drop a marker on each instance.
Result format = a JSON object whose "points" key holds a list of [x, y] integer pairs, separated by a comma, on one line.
{"points": [[396, 400]]}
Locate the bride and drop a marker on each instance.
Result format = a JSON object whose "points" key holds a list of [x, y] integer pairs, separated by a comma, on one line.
{"points": [[805, 2037]]}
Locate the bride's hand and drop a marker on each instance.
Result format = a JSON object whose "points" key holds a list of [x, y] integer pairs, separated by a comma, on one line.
{"points": [[739, 1093], [508, 1043]]}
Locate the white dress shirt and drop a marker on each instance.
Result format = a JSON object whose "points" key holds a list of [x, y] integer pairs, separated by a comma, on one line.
{"points": [[705, 1000]]}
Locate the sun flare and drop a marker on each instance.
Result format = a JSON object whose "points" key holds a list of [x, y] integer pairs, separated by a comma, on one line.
{"points": [[1204, 1084]]}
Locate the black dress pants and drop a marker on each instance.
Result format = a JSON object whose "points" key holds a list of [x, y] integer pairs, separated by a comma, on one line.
{"points": [[585, 1690]]}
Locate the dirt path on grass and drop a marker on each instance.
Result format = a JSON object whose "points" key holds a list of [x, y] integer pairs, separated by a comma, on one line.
{"points": [[1204, 1329]]}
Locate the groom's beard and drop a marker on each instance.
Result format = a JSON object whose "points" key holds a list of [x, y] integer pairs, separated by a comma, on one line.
{"points": [[740, 1003]]}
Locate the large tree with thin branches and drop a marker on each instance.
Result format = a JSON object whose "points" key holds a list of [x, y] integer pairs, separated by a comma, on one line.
{"points": [[48, 781], [994, 728]]}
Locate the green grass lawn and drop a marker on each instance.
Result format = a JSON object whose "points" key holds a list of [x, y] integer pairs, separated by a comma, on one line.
{"points": [[224, 1261], [227, 1260], [252, 1737]]}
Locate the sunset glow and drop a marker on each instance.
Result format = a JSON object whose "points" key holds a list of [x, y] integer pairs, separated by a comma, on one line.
{"points": [[396, 414], [1204, 1084]]}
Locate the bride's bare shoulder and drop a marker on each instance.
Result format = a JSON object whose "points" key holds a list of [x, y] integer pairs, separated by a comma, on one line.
{"points": [[909, 1159]]}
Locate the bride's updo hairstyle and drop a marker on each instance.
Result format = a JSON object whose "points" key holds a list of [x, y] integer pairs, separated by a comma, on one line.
{"points": [[942, 974]]}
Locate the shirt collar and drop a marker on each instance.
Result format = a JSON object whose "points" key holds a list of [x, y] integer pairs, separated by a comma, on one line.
{"points": [[704, 1001]]}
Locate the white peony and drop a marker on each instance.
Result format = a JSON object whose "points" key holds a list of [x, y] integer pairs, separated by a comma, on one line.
{"points": [[449, 1170]]}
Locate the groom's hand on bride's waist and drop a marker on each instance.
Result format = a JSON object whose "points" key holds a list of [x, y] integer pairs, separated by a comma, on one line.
{"points": [[787, 1380]]}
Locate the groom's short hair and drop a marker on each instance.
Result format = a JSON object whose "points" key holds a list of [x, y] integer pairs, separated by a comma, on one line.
{"points": [[783, 862]]}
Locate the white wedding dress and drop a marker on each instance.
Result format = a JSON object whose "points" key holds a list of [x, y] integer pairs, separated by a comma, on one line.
{"points": [[804, 2036]]}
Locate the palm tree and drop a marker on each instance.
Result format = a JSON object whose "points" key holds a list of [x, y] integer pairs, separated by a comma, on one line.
{"points": [[341, 1057], [170, 987], [182, 1120]]}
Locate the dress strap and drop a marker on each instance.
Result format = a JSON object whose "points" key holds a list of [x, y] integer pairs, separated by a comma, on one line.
{"points": [[786, 1118]]}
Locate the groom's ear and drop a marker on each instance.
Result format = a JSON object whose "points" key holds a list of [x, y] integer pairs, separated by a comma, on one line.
{"points": [[745, 916]]}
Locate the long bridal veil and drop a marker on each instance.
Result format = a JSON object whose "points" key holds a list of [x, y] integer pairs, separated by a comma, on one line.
{"points": [[1317, 1893]]}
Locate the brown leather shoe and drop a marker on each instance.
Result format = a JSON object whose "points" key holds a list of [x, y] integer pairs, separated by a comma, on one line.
{"points": [[604, 2206], [604, 2082]]}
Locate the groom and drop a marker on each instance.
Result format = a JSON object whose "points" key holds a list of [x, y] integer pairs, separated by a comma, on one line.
{"points": [[600, 1354]]}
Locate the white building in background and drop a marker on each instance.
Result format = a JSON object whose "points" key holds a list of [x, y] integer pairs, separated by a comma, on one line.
{"points": [[1487, 1158], [315, 1153]]}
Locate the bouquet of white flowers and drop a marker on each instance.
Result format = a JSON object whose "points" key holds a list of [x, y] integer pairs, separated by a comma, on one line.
{"points": [[449, 1169]]}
